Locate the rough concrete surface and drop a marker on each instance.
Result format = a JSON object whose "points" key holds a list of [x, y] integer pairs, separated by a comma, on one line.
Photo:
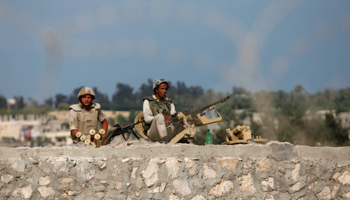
{"points": [[157, 171]]}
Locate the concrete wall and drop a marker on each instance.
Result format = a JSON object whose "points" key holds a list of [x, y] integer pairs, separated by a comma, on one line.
{"points": [[156, 171]]}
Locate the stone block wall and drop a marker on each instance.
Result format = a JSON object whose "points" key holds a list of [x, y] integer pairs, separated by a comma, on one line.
{"points": [[156, 171]]}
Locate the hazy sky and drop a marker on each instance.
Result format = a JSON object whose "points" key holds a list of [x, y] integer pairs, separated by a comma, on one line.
{"points": [[50, 47]]}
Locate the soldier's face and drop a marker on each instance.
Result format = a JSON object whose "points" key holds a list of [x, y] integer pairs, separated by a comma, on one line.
{"points": [[86, 100], [161, 90]]}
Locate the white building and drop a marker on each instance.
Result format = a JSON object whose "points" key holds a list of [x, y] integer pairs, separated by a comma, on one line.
{"points": [[21, 128]]}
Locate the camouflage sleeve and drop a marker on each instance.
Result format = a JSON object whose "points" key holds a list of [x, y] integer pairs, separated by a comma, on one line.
{"points": [[73, 120], [101, 116]]}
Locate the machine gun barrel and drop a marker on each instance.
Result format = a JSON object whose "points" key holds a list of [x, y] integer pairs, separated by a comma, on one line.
{"points": [[194, 111]]}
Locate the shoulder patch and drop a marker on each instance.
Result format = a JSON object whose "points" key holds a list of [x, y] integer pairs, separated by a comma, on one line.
{"points": [[75, 107]]}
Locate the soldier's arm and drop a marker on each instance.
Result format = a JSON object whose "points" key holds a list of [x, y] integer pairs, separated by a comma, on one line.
{"points": [[167, 118], [104, 127], [102, 119], [74, 132], [172, 109], [172, 112], [73, 122], [147, 112]]}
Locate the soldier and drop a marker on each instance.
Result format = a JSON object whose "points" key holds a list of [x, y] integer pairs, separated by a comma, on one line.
{"points": [[85, 115], [157, 110]]}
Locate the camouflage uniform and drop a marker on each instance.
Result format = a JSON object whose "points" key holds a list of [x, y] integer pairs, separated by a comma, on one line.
{"points": [[84, 120]]}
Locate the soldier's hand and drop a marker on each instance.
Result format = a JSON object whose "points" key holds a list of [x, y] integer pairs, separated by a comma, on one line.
{"points": [[104, 137], [180, 115], [167, 118]]}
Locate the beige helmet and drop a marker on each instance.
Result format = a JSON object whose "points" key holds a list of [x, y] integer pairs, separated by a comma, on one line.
{"points": [[84, 91], [159, 81]]}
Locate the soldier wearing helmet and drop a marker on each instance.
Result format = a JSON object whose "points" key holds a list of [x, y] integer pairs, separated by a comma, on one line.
{"points": [[85, 115], [157, 110]]}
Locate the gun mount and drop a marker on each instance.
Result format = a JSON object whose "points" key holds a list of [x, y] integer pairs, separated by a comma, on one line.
{"points": [[242, 135]]}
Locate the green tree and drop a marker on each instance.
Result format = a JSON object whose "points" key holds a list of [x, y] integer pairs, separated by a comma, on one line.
{"points": [[63, 106], [132, 116], [70, 99], [123, 98], [111, 121], [121, 120], [257, 129], [228, 114], [19, 102], [339, 135], [316, 133], [342, 100], [220, 135], [200, 135], [241, 98], [146, 89], [102, 99], [3, 102], [60, 98], [48, 102]]}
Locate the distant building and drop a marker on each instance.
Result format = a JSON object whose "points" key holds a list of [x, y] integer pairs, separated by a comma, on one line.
{"points": [[11, 103], [25, 128], [344, 118], [320, 114]]}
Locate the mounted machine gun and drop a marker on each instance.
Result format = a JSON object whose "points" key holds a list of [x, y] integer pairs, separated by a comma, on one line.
{"points": [[187, 119]]}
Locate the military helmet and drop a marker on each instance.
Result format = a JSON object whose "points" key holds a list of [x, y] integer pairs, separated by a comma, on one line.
{"points": [[159, 81], [84, 91]]}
